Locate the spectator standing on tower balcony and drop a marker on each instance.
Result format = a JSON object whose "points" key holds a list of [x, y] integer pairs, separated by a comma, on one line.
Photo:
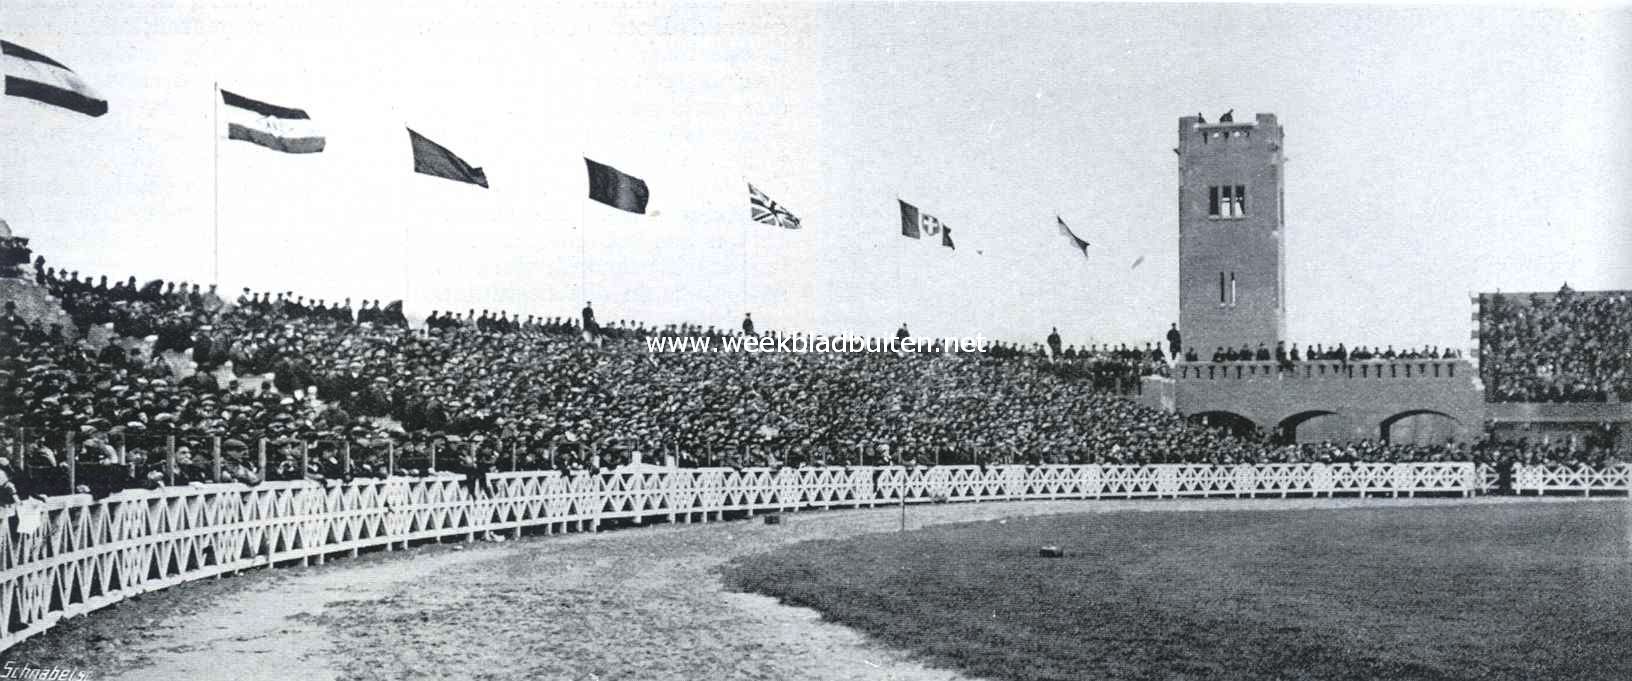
{"points": [[1173, 338], [342, 313], [1054, 342], [748, 324]]}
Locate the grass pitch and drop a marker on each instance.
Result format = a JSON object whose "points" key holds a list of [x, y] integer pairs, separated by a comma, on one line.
{"points": [[1511, 591]]}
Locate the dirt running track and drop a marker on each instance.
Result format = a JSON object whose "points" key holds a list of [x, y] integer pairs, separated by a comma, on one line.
{"points": [[640, 604]]}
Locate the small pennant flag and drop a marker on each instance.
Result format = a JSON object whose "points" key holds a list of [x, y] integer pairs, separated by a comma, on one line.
{"points": [[617, 189], [32, 75], [916, 224], [1076, 243], [431, 158], [271, 126], [763, 210]]}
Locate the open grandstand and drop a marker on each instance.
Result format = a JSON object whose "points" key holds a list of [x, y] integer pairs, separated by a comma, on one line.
{"points": [[157, 430]]}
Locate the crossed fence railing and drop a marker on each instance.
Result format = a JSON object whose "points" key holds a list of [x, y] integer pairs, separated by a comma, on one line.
{"points": [[71, 555], [1565, 478]]}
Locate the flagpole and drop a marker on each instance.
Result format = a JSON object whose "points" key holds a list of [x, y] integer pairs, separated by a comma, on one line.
{"points": [[899, 306], [407, 250], [215, 177], [746, 306], [583, 250]]}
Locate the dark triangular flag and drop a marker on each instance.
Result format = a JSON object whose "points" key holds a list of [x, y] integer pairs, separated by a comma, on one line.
{"points": [[1079, 244], [431, 158], [617, 189], [946, 238]]}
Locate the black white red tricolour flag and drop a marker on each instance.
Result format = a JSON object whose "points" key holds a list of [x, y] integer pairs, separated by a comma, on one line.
{"points": [[271, 126], [35, 76]]}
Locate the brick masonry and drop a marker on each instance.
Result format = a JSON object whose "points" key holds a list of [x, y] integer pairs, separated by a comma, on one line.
{"points": [[1352, 401]]}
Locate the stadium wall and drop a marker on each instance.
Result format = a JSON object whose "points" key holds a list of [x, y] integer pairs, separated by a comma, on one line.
{"points": [[1349, 400], [72, 555]]}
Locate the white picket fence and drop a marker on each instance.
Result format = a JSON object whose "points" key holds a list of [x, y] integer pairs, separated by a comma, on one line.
{"points": [[75, 555], [1567, 479]]}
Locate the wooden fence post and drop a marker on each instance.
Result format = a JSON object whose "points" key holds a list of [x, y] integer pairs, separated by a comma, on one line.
{"points": [[73, 461], [169, 460], [215, 458], [345, 456], [390, 460], [260, 458]]}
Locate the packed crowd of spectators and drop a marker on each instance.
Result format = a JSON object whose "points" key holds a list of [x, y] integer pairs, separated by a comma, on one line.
{"points": [[334, 392], [1360, 353], [1570, 346]]}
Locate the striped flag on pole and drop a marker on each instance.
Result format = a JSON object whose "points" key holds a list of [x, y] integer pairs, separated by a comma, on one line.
{"points": [[32, 75], [916, 224], [271, 126], [763, 210]]}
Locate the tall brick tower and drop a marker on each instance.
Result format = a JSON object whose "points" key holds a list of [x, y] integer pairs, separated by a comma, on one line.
{"points": [[1232, 276]]}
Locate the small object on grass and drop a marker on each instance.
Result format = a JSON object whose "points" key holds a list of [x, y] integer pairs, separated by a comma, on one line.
{"points": [[773, 519], [1051, 552]]}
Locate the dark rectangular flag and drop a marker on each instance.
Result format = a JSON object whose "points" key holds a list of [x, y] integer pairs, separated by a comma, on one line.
{"points": [[32, 75], [916, 224], [763, 210], [909, 219], [431, 158], [617, 189], [271, 126]]}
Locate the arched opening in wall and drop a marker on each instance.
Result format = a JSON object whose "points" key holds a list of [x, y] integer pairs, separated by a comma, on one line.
{"points": [[1419, 427], [1313, 425], [1229, 421]]}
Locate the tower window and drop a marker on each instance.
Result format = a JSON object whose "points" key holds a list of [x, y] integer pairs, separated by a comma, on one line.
{"points": [[1233, 299], [1227, 201], [1221, 299]]}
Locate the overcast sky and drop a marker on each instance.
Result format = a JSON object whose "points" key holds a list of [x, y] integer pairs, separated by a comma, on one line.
{"points": [[1433, 152]]}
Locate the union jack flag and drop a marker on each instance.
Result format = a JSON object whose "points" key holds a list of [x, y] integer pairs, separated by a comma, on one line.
{"points": [[762, 209]]}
